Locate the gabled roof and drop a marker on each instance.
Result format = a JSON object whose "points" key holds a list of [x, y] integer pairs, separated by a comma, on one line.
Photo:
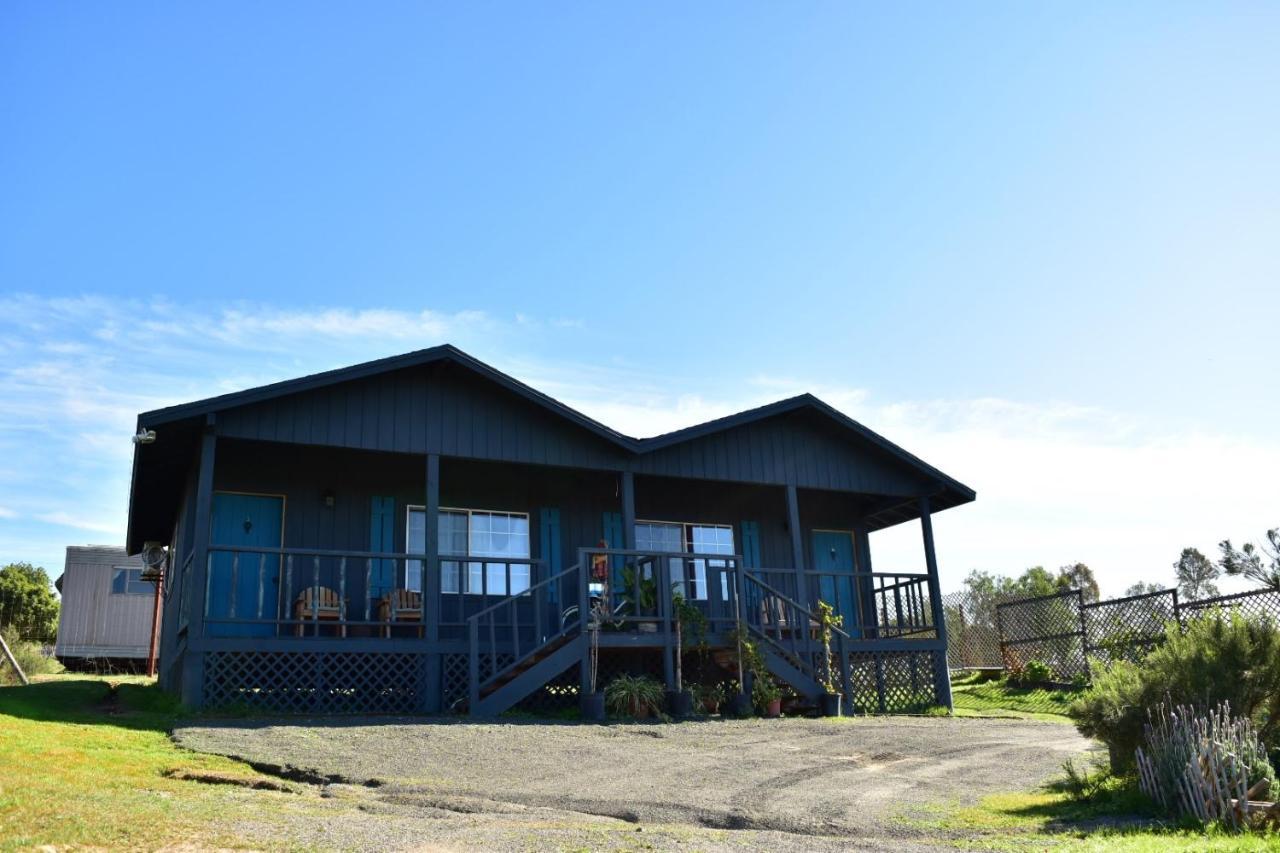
{"points": [[947, 491], [417, 358]]}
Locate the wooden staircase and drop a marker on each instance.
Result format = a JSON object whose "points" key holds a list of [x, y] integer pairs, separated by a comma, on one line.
{"points": [[551, 655]]}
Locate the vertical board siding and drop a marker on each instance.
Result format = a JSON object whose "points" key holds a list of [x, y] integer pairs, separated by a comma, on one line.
{"points": [[94, 623]]}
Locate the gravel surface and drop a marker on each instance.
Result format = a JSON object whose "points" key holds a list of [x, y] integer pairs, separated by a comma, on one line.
{"points": [[792, 784]]}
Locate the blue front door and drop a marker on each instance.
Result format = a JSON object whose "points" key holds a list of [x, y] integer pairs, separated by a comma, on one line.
{"points": [[247, 587], [833, 559]]}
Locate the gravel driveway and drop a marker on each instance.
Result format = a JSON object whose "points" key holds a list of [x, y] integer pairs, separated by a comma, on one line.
{"points": [[807, 784]]}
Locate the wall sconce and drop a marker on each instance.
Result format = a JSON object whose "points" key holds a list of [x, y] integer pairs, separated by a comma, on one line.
{"points": [[328, 499]]}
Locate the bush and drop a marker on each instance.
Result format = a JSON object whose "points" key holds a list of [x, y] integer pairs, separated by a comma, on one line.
{"points": [[634, 696], [31, 658], [1218, 658]]}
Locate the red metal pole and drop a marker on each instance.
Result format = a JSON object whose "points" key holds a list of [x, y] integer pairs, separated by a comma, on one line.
{"points": [[155, 624]]}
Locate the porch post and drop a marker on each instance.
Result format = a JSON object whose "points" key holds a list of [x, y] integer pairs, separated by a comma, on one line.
{"points": [[868, 617], [192, 685], [431, 586], [803, 594], [628, 489], [935, 600]]}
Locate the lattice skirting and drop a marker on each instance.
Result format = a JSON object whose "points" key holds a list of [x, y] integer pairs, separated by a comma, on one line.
{"points": [[315, 682], [895, 682]]}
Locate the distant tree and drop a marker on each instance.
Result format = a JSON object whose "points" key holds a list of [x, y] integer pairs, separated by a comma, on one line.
{"points": [[1256, 564], [1079, 576], [27, 602], [1196, 574], [1034, 582], [1143, 588]]}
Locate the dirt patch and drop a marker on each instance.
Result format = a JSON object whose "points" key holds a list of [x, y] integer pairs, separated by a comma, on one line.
{"points": [[213, 777], [805, 784]]}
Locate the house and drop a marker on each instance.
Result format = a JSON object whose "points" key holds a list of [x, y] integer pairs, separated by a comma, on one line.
{"points": [[106, 614], [423, 533]]}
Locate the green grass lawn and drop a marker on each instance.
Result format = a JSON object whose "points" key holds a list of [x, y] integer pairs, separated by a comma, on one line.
{"points": [[972, 696], [83, 762], [1119, 820]]}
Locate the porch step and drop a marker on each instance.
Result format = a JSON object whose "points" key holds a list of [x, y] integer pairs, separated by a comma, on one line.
{"points": [[781, 665], [505, 695], [525, 665]]}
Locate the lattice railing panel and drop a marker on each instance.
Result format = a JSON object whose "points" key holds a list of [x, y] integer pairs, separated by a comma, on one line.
{"points": [[894, 682], [1259, 604], [1128, 628], [315, 682]]}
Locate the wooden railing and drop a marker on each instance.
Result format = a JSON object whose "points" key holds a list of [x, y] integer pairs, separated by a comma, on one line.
{"points": [[509, 633], [873, 605], [307, 592]]}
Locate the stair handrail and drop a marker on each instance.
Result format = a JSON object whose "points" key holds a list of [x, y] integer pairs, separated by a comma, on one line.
{"points": [[473, 630], [839, 635]]}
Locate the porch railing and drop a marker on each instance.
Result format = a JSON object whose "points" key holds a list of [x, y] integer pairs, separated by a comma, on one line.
{"points": [[505, 636], [307, 592], [873, 605]]}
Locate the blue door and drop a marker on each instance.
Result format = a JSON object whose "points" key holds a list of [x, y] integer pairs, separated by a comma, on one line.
{"points": [[833, 559], [247, 588]]}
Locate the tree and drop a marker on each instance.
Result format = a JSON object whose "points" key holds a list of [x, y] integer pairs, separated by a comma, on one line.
{"points": [[27, 603], [1196, 574], [1033, 583], [1256, 564], [1143, 588], [1079, 576]]}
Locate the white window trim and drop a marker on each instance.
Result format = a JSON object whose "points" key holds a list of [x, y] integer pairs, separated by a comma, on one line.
{"points": [[466, 560], [686, 541]]}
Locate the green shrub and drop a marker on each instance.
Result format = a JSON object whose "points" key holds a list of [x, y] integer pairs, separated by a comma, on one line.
{"points": [[1037, 672], [30, 657], [634, 696], [1218, 658]]}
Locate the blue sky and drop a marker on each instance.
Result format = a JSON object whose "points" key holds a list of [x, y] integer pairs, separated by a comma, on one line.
{"points": [[1035, 244]]}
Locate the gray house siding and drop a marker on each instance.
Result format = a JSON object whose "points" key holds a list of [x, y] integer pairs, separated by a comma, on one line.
{"points": [[438, 408], [93, 622]]}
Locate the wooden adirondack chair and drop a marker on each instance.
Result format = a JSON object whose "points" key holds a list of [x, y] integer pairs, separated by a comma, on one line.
{"points": [[400, 605], [318, 604]]}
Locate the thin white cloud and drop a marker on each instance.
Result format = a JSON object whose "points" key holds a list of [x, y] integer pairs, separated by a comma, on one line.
{"points": [[66, 519], [1056, 482]]}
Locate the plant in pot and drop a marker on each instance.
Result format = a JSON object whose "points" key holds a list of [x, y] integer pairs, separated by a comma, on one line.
{"points": [[690, 623], [707, 696], [767, 696], [593, 702], [640, 595], [751, 668], [637, 696], [828, 620]]}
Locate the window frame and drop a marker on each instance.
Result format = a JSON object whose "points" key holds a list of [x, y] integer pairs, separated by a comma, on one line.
{"points": [[476, 569], [698, 576], [132, 585]]}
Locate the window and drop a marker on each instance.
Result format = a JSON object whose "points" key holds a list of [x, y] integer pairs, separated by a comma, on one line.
{"points": [[473, 533], [129, 582], [659, 536]]}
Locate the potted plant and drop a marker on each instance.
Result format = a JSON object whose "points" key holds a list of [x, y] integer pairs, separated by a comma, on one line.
{"points": [[767, 697], [593, 702], [751, 668], [689, 621], [646, 604], [708, 697], [827, 620], [637, 696]]}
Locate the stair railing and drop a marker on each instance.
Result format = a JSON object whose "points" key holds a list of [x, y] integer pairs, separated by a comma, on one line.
{"points": [[499, 626], [791, 629]]}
